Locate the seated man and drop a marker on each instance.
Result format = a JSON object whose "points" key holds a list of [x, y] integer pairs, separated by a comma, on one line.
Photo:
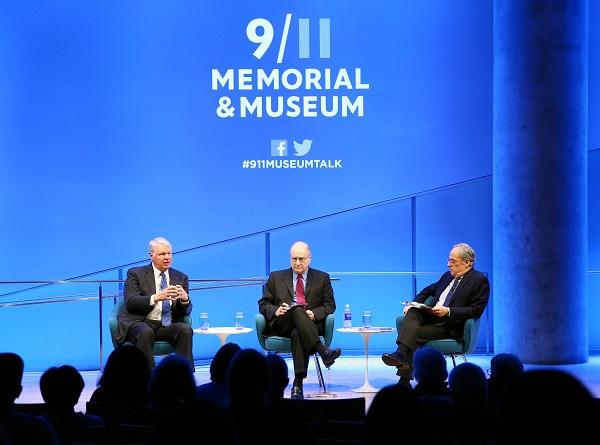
{"points": [[295, 304], [156, 300], [460, 294]]}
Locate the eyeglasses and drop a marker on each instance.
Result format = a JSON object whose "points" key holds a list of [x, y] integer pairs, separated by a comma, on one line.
{"points": [[302, 259]]}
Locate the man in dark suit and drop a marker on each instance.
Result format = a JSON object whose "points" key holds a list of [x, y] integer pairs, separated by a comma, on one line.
{"points": [[459, 294], [295, 303], [156, 300]]}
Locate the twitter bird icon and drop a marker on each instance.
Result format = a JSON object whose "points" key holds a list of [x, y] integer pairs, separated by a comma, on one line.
{"points": [[302, 148]]}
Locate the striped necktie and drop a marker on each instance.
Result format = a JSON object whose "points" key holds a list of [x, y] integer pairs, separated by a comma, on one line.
{"points": [[165, 317]]}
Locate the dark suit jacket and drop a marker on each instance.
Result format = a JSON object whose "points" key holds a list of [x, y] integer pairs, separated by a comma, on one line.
{"points": [[469, 300], [279, 289], [139, 287]]}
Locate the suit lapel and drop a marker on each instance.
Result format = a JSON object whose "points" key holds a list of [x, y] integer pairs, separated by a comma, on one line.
{"points": [[446, 280], [310, 276], [289, 282], [150, 281], [461, 286]]}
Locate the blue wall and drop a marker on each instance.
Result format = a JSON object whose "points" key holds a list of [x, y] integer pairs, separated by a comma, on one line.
{"points": [[109, 136]]}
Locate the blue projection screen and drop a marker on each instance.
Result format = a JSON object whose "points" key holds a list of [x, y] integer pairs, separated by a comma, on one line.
{"points": [[206, 120]]}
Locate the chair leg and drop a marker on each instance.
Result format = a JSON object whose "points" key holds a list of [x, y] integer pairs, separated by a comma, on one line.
{"points": [[319, 373], [323, 394], [453, 360]]}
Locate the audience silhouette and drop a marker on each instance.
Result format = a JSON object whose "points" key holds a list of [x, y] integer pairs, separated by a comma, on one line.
{"points": [[171, 385], [197, 421], [469, 392], [546, 406], [392, 406], [244, 404], [430, 372], [61, 388], [18, 428], [289, 420], [248, 381], [503, 369], [216, 390], [122, 392]]}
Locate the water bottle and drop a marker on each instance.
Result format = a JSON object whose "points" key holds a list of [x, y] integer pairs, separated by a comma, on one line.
{"points": [[347, 317]]}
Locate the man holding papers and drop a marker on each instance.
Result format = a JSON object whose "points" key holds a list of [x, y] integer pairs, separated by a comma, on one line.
{"points": [[460, 294], [295, 303]]}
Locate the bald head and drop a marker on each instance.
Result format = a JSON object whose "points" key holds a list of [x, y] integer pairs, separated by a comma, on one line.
{"points": [[300, 257]]}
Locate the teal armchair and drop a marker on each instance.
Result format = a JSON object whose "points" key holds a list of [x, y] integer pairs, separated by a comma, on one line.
{"points": [[278, 344], [451, 346], [160, 347]]}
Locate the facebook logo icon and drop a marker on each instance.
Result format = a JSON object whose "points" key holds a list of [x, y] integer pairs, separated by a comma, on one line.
{"points": [[278, 147]]}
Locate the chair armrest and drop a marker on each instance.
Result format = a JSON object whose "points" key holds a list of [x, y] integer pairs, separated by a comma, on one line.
{"points": [[113, 322], [261, 324], [328, 332], [429, 301], [471, 334]]}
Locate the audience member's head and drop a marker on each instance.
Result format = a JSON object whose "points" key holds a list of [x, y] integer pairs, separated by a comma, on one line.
{"points": [[505, 366], [467, 381], [61, 387], [248, 378], [391, 405], [172, 383], [278, 375], [546, 406], [17, 427], [429, 366], [220, 362], [11, 375], [503, 369], [126, 375]]}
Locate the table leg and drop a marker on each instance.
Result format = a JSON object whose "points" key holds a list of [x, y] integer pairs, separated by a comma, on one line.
{"points": [[223, 337], [366, 386]]}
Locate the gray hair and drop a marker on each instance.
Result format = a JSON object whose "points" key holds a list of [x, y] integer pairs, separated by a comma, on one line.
{"points": [[158, 240], [465, 252]]}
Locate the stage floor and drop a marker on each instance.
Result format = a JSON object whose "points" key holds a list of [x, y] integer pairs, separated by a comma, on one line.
{"points": [[346, 374]]}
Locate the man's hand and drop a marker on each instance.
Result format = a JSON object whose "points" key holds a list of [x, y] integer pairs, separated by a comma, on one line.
{"points": [[172, 293], [180, 294], [440, 311], [281, 310], [165, 294], [310, 314]]}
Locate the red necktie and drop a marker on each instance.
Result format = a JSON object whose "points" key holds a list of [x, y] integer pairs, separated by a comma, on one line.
{"points": [[300, 291]]}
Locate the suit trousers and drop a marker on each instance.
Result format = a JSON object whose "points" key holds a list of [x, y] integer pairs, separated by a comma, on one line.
{"points": [[143, 334], [420, 327], [304, 334]]}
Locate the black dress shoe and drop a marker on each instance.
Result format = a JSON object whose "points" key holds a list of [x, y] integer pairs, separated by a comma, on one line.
{"points": [[297, 393], [394, 359], [330, 355]]}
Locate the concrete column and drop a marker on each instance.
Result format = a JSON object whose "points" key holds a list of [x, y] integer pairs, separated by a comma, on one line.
{"points": [[540, 180]]}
